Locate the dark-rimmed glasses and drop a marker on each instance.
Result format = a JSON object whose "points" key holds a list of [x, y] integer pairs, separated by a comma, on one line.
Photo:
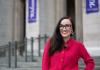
{"points": [[65, 26]]}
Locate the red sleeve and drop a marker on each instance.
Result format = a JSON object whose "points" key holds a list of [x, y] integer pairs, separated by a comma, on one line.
{"points": [[45, 58], [87, 58]]}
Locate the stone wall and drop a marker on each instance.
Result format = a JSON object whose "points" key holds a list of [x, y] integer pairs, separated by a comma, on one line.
{"points": [[11, 21], [91, 31]]}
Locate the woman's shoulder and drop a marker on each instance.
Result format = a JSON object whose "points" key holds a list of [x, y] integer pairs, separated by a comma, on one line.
{"points": [[48, 40], [47, 43], [77, 42]]}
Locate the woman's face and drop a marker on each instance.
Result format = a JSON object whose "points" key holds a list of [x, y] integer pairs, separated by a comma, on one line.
{"points": [[65, 28]]}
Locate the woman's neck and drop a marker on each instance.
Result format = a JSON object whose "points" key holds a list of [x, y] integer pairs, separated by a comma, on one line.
{"points": [[66, 38]]}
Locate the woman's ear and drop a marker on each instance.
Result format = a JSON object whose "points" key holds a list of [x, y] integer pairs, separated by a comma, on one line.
{"points": [[72, 31]]}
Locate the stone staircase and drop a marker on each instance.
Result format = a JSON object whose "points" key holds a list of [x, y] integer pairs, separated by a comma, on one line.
{"points": [[97, 63], [36, 65]]}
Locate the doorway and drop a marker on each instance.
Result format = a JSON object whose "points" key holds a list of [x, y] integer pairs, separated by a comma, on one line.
{"points": [[21, 49], [70, 5]]}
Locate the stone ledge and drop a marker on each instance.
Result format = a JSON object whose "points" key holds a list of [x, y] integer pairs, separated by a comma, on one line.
{"points": [[94, 51]]}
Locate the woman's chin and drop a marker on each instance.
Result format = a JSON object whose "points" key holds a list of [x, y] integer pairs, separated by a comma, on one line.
{"points": [[65, 35]]}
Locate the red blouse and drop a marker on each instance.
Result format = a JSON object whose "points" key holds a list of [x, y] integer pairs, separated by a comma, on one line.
{"points": [[68, 58]]}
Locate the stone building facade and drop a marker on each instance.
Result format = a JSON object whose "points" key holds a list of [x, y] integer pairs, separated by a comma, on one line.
{"points": [[12, 20]]}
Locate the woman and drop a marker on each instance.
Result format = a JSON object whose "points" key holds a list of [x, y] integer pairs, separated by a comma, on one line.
{"points": [[62, 52]]}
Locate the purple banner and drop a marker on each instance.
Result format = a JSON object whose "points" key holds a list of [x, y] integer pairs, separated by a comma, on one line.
{"points": [[32, 11], [92, 6]]}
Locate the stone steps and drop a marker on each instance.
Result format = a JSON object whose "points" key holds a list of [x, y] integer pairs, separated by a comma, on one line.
{"points": [[36, 65]]}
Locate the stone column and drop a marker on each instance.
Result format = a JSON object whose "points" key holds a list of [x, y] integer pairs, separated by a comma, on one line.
{"points": [[78, 20], [32, 28], [91, 30], [18, 21], [60, 9], [6, 21]]}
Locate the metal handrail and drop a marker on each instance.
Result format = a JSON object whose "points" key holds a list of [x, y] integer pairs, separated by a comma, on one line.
{"points": [[15, 44]]}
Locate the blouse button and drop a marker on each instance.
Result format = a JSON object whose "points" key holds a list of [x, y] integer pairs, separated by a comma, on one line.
{"points": [[62, 53]]}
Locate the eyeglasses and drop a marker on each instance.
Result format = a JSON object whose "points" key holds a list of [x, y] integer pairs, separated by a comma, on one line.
{"points": [[66, 26]]}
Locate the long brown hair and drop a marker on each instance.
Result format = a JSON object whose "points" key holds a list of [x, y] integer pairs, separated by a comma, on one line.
{"points": [[56, 41]]}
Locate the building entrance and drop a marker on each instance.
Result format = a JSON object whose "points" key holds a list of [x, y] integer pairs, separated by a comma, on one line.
{"points": [[70, 5]]}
